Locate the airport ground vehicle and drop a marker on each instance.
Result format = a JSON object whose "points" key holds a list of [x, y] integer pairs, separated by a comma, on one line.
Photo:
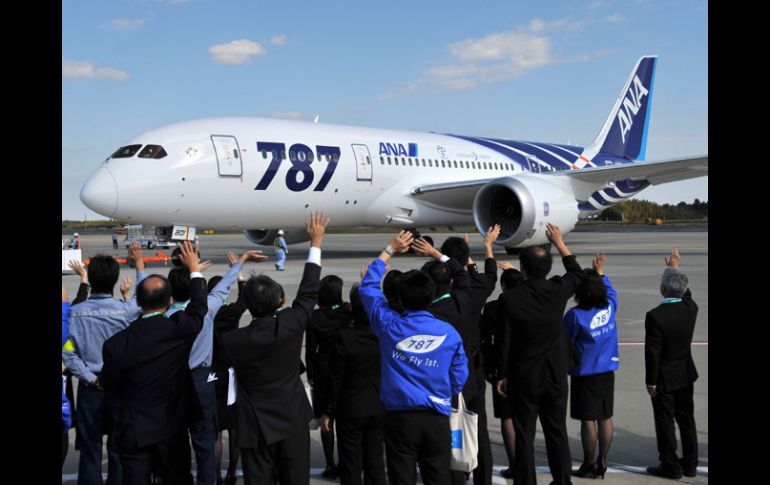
{"points": [[149, 236]]}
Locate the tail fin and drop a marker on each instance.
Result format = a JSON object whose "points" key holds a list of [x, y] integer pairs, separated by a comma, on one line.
{"points": [[624, 134]]}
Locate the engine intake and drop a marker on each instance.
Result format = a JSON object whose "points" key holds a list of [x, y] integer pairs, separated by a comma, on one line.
{"points": [[265, 237], [523, 206]]}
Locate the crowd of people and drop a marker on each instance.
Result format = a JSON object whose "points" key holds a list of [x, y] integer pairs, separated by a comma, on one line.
{"points": [[168, 367]]}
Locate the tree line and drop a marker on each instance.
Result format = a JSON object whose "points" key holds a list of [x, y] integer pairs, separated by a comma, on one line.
{"points": [[642, 211]]}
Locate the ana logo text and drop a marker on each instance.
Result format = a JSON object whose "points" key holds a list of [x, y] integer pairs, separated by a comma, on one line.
{"points": [[398, 149], [631, 105]]}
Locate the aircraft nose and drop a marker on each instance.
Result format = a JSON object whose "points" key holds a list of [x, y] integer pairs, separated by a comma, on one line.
{"points": [[100, 192]]}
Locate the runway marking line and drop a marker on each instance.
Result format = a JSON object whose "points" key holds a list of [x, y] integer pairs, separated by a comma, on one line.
{"points": [[641, 344]]}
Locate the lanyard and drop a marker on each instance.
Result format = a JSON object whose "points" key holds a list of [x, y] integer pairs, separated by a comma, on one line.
{"points": [[442, 297], [151, 314], [670, 300], [334, 307]]}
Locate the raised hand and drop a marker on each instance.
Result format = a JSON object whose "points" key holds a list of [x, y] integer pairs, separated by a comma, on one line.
{"points": [[254, 255], [401, 242], [190, 257], [492, 234], [421, 246], [135, 253], [316, 228], [232, 258], [503, 265], [79, 270], [674, 260], [598, 263], [553, 233], [125, 287]]}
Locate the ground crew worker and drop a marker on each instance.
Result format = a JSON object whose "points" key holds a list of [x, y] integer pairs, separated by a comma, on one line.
{"points": [[281, 250]]}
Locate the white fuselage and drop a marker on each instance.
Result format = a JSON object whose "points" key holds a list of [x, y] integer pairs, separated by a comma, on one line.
{"points": [[195, 184]]}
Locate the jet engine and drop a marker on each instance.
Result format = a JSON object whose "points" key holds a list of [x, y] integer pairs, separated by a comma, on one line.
{"points": [[265, 237], [523, 206]]}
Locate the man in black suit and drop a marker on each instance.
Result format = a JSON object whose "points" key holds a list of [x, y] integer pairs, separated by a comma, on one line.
{"points": [[145, 365], [481, 285], [535, 351], [670, 372], [272, 411]]}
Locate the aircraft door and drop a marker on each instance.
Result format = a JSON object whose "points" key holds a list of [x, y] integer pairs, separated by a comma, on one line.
{"points": [[228, 155], [363, 162]]}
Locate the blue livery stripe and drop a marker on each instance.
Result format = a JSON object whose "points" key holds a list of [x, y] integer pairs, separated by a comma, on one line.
{"points": [[571, 157], [546, 157], [513, 156], [601, 200]]}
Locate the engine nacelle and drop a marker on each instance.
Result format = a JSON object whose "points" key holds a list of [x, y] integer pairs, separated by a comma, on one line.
{"points": [[265, 237], [523, 206]]}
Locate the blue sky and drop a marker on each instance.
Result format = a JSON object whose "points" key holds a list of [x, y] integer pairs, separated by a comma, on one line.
{"points": [[542, 71]]}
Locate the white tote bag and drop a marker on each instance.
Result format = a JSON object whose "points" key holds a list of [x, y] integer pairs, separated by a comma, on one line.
{"points": [[465, 437]]}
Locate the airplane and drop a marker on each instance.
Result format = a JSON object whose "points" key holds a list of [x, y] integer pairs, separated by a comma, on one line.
{"points": [[258, 175]]}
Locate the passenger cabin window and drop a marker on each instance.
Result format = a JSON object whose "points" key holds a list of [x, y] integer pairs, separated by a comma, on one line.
{"points": [[126, 151], [157, 151], [382, 161]]}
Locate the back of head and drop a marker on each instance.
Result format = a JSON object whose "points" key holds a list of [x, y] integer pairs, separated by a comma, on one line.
{"points": [[390, 285], [330, 292], [179, 278], [673, 283], [511, 278], [535, 262], [416, 290], [262, 295], [456, 247], [103, 273], [591, 292], [359, 313], [213, 281], [153, 293], [439, 273]]}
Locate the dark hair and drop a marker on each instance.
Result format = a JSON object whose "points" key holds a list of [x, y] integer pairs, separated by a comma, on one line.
{"points": [[390, 288], [330, 292], [262, 295], [153, 298], [213, 281], [439, 273], [357, 306], [179, 278], [416, 290], [103, 273], [456, 247], [591, 292], [511, 278], [536, 261]]}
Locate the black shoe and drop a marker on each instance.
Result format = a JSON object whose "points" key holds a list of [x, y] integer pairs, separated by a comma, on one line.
{"points": [[585, 471], [507, 473], [600, 469], [688, 471], [231, 480], [659, 471], [330, 472]]}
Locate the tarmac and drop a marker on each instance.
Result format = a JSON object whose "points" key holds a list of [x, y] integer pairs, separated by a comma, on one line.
{"points": [[634, 264]]}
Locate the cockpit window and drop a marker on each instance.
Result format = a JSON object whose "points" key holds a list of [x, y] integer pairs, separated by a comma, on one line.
{"points": [[126, 151], [152, 151]]}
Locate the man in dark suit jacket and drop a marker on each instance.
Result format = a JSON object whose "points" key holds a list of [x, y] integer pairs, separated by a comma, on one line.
{"points": [[535, 351], [272, 411], [481, 285], [670, 372], [145, 365]]}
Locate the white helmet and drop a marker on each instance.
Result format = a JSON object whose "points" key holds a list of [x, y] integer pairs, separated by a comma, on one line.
{"points": [[280, 232], [76, 235]]}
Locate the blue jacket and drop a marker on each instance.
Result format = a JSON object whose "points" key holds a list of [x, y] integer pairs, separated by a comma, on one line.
{"points": [[66, 412], [594, 333], [423, 361], [91, 323]]}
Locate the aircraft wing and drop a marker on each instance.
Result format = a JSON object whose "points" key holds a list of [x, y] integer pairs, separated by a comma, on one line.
{"points": [[459, 195]]}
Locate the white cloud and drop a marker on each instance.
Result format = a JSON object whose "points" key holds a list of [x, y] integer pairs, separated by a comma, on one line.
{"points": [[614, 18], [128, 24], [236, 52], [287, 115], [495, 58], [279, 39], [88, 70]]}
